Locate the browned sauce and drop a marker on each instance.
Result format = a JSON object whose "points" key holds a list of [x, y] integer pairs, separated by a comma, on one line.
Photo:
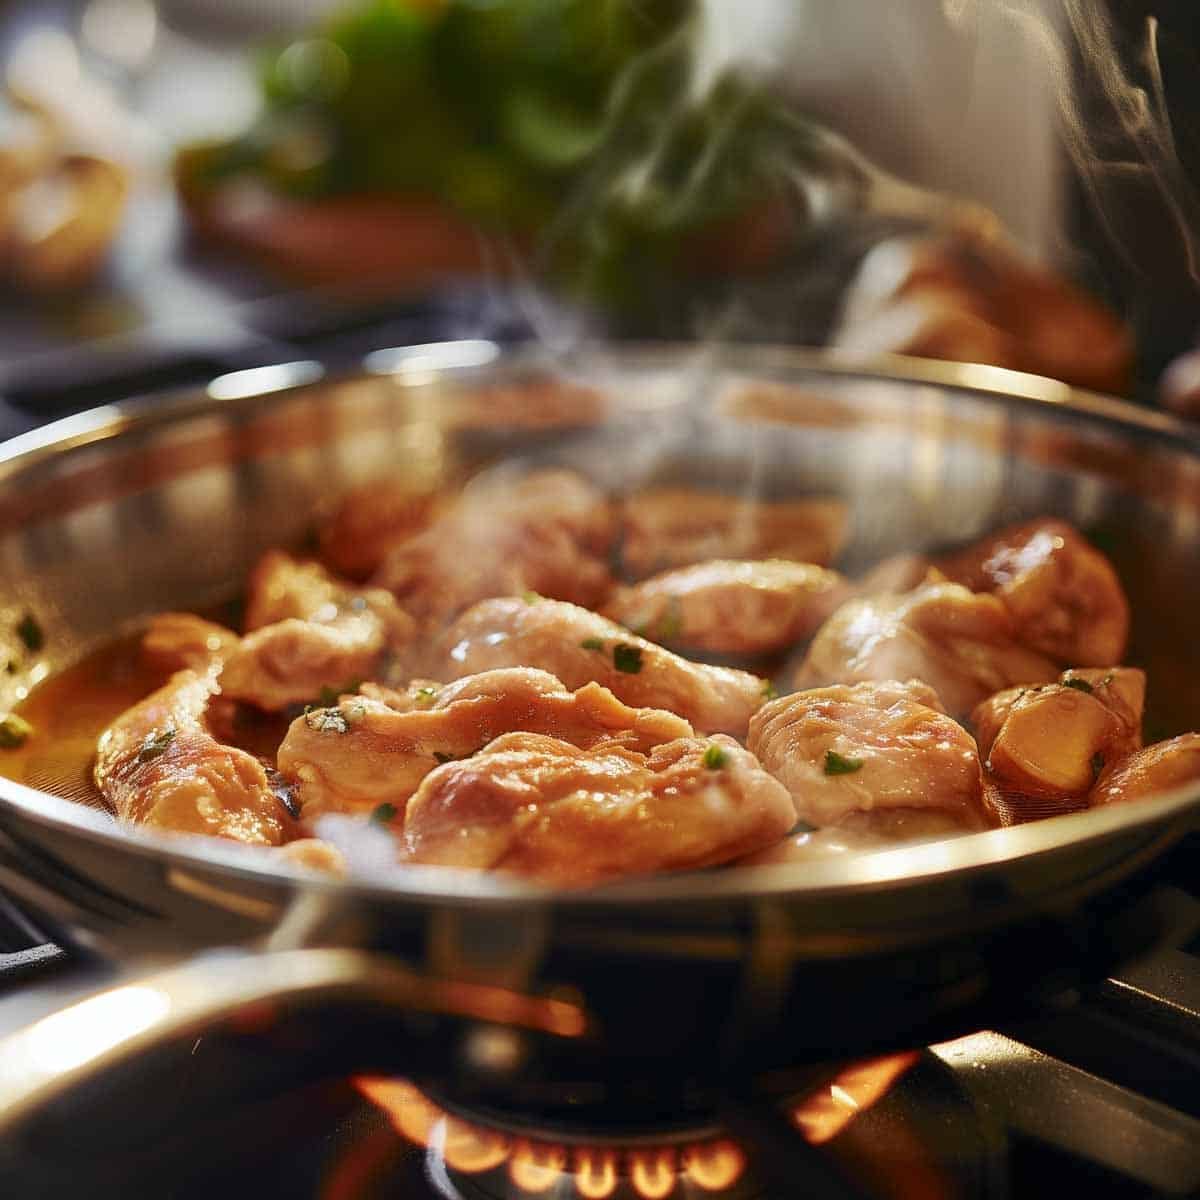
{"points": [[74, 706]]}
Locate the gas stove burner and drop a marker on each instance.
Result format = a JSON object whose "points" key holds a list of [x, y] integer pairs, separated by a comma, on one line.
{"points": [[471, 1155]]}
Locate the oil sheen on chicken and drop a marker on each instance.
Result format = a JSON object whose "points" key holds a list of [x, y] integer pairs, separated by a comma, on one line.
{"points": [[542, 808]]}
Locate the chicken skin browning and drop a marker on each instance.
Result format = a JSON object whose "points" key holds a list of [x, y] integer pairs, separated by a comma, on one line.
{"points": [[309, 632], [1053, 740], [727, 606], [959, 642], [542, 808], [1157, 768], [364, 753], [666, 527], [1064, 596], [159, 765], [580, 647], [869, 747], [549, 533]]}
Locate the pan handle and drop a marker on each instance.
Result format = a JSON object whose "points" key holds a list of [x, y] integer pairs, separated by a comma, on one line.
{"points": [[78, 1044]]}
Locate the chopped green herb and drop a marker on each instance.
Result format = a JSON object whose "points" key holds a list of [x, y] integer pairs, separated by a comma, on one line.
{"points": [[627, 658], [444, 758], [1080, 685], [155, 743], [326, 720], [383, 814], [670, 625], [13, 731], [30, 632], [838, 764], [592, 643], [769, 690], [1097, 763], [425, 696], [531, 597], [715, 757]]}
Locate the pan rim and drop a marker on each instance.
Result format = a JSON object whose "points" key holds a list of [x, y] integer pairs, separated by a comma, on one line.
{"points": [[909, 866]]}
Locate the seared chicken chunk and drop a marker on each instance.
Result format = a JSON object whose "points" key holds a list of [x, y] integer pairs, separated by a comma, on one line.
{"points": [[869, 747], [1157, 768], [674, 527], [961, 643], [368, 521], [1054, 739], [548, 532], [540, 807], [579, 647], [176, 641], [1064, 596], [309, 632], [364, 753], [731, 607], [159, 765]]}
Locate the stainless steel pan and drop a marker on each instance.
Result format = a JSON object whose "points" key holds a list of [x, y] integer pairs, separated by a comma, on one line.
{"points": [[499, 984]]}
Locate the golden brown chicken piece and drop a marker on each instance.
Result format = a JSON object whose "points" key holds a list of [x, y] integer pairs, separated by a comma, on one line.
{"points": [[1064, 596], [368, 521], [363, 753], [1157, 768], [673, 527], [869, 747], [1053, 740], [726, 606], [548, 532], [309, 632], [959, 642], [159, 765], [579, 647], [540, 807], [177, 641]]}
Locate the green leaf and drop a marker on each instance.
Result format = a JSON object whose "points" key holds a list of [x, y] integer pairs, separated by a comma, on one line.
{"points": [[383, 814], [14, 731], [838, 764], [326, 720], [769, 690], [715, 757], [155, 744], [592, 643], [30, 632]]}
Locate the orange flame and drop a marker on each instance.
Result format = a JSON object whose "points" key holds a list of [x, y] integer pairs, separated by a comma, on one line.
{"points": [[714, 1166], [653, 1173], [823, 1116], [536, 1167], [595, 1173]]}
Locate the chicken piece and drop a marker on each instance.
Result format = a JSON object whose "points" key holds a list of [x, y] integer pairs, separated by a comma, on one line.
{"points": [[861, 832], [729, 607], [1064, 596], [159, 765], [580, 646], [176, 641], [869, 747], [548, 532], [958, 642], [364, 753], [309, 632], [540, 807], [1157, 768], [675, 527], [368, 521], [1054, 739]]}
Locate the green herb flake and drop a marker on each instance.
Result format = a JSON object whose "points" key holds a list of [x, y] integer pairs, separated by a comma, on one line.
{"points": [[838, 764], [14, 731], [155, 744], [383, 814], [326, 720], [592, 643], [769, 690], [30, 632], [1080, 685], [715, 757], [1097, 763], [425, 697], [444, 758], [627, 658], [531, 597]]}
